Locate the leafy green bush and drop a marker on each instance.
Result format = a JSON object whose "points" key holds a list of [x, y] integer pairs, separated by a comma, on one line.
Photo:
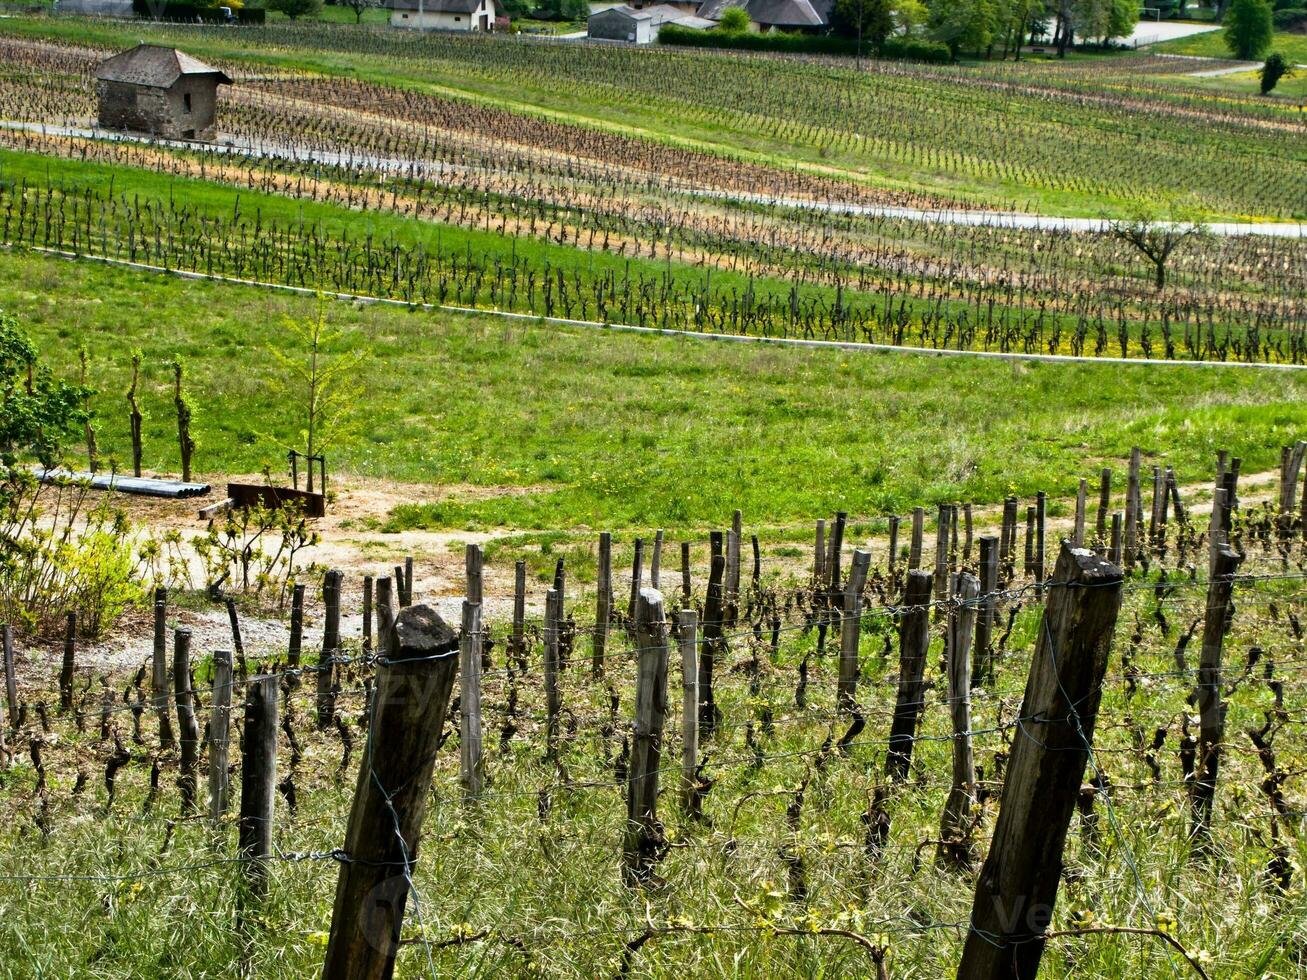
{"points": [[734, 20], [1271, 72], [897, 48], [1290, 19], [1248, 28]]}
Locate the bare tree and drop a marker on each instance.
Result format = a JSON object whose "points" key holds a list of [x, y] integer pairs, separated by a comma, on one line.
{"points": [[1156, 240]]}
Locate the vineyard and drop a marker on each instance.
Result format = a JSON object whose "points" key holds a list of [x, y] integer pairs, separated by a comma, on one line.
{"points": [[775, 516], [853, 726]]}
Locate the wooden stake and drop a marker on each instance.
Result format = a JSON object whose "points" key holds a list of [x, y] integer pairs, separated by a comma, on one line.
{"points": [[656, 560], [685, 572], [851, 631], [955, 824], [893, 557], [219, 742], [689, 641], [326, 699], [1104, 504], [914, 641], [160, 692], [553, 700], [471, 763], [918, 530], [1082, 503], [643, 839], [712, 644], [258, 781], [11, 676], [188, 728], [1114, 549], [819, 556], [233, 616], [519, 610], [637, 580], [69, 668], [473, 558], [1041, 513], [982, 671], [1207, 696], [297, 626], [367, 615], [603, 603], [1132, 510], [409, 707], [1017, 887]]}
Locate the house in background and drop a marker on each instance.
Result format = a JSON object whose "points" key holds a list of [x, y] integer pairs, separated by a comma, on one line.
{"points": [[640, 25], [783, 15], [160, 91], [443, 15]]}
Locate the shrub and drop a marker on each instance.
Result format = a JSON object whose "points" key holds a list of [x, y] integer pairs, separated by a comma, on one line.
{"points": [[295, 8], [1271, 72], [907, 49], [1290, 19], [1248, 28], [734, 20]]}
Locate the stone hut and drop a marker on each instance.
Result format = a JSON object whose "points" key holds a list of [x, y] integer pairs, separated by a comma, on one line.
{"points": [[157, 90]]}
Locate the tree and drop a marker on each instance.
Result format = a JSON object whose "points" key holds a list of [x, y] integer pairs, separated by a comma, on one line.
{"points": [[734, 20], [295, 9], [870, 20], [963, 24], [1271, 72], [37, 413], [1248, 28], [360, 7], [323, 384], [1156, 240]]}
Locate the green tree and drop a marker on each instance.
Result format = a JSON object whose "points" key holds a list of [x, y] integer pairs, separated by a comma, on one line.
{"points": [[872, 20], [37, 413], [1271, 72], [1248, 28], [963, 25], [295, 9], [735, 20]]}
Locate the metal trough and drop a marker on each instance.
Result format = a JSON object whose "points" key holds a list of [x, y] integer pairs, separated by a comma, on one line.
{"points": [[144, 486]]}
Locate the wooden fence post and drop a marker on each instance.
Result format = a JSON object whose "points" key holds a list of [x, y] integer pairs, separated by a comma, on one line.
{"points": [[414, 681], [1132, 510], [1017, 887], [643, 839], [819, 556], [656, 560], [982, 671], [69, 668], [943, 523], [711, 645], [1104, 505], [471, 763], [685, 572], [1114, 549], [918, 530], [1207, 696], [473, 559], [851, 631], [11, 677], [187, 726], [238, 645], [603, 603], [258, 780], [732, 597], [553, 701], [637, 581], [893, 555], [297, 628], [689, 640], [914, 641], [1082, 504], [219, 742], [159, 689], [519, 611], [366, 645], [955, 824], [326, 700], [1041, 513]]}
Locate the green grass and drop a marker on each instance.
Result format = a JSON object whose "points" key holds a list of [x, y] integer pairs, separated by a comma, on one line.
{"points": [[1212, 45], [619, 431]]}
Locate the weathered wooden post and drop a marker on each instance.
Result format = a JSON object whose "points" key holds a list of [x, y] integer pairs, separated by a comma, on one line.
{"points": [[11, 676], [732, 589], [1041, 562], [473, 558], [711, 645], [366, 645], [326, 699], [955, 824], [159, 689], [689, 641], [69, 668], [219, 742], [553, 700], [643, 838], [656, 560], [982, 671], [1082, 503], [1207, 696], [471, 763], [296, 645], [1132, 507], [414, 680], [238, 645], [188, 728], [1114, 549], [918, 530], [258, 781], [851, 631], [943, 521], [1104, 505], [685, 572], [893, 557], [637, 581], [914, 641], [819, 555], [603, 603], [1017, 887]]}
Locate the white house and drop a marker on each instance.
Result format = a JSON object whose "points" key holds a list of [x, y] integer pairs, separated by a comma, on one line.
{"points": [[640, 25], [443, 15]]}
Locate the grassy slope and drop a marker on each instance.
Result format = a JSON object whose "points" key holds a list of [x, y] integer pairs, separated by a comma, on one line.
{"points": [[622, 432], [1212, 45], [638, 113]]}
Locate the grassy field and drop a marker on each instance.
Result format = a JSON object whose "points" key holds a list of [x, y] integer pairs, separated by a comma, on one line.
{"points": [[1212, 45], [625, 432]]}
